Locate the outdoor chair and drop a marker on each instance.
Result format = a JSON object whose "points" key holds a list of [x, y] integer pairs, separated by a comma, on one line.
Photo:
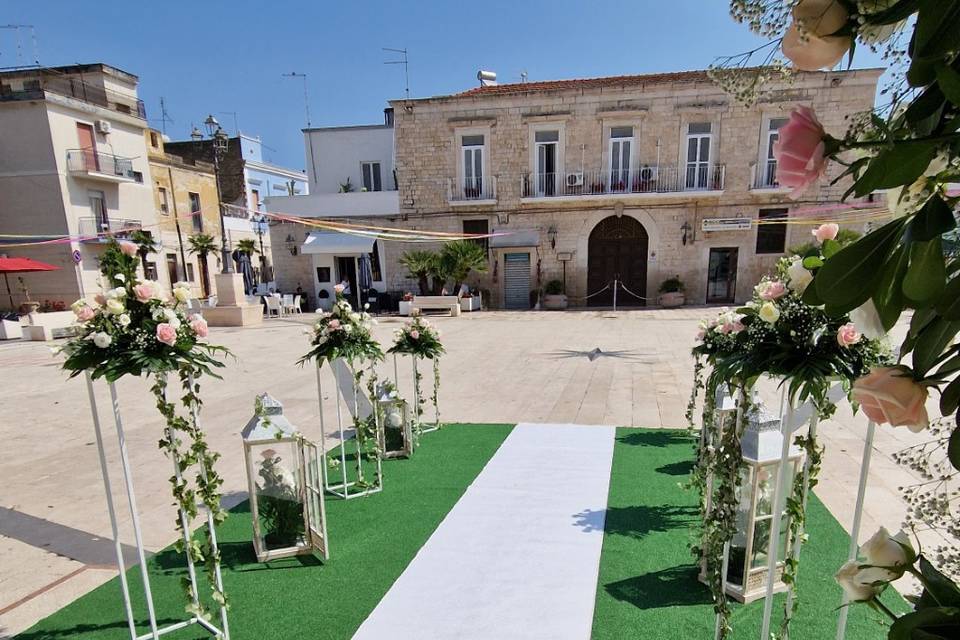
{"points": [[273, 306], [295, 307]]}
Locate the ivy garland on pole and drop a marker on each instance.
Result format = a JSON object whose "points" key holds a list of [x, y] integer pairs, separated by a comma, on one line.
{"points": [[344, 334], [420, 339], [132, 328], [909, 147], [779, 335]]}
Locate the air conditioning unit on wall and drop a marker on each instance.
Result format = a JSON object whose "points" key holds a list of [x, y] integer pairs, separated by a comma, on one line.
{"points": [[103, 126], [574, 179], [648, 173]]}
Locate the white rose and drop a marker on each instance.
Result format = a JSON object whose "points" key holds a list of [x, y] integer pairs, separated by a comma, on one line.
{"points": [[769, 313], [172, 318], [102, 339], [116, 293], [119, 277], [115, 307], [79, 304], [884, 550], [858, 583], [182, 294], [867, 321], [347, 328], [123, 320], [394, 419], [799, 276]]}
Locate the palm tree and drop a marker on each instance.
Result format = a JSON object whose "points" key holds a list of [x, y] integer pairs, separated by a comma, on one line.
{"points": [[459, 258], [145, 246], [201, 245], [247, 246], [421, 264]]}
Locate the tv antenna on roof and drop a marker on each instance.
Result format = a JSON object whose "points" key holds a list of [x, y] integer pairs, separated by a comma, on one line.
{"points": [[406, 67], [523, 76], [236, 123], [164, 116], [306, 98], [33, 38]]}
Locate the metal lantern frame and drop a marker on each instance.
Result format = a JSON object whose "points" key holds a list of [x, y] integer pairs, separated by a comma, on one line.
{"points": [[343, 487], [382, 410], [418, 426], [221, 631], [271, 429]]}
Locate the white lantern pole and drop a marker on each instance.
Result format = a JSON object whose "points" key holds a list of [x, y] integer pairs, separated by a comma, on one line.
{"points": [[807, 462], [725, 564], [779, 500], [436, 395], [217, 575], [396, 374], [134, 515], [118, 547], [416, 395], [323, 431], [857, 518], [343, 443]]}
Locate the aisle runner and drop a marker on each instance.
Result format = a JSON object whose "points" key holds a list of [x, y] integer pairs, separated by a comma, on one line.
{"points": [[518, 555]]}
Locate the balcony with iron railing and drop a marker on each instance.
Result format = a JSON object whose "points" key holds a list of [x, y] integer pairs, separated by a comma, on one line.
{"points": [[102, 228], [647, 181], [472, 191], [73, 87], [98, 165], [763, 177]]}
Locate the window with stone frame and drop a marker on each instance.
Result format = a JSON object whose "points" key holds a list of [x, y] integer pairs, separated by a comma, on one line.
{"points": [[772, 231], [478, 227]]}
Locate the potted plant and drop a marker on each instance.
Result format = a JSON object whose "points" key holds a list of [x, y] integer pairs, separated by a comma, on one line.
{"points": [[554, 297], [671, 293]]}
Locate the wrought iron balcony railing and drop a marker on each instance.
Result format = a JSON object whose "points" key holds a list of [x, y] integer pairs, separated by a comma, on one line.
{"points": [[765, 176], [91, 161], [472, 189], [102, 228], [646, 179]]}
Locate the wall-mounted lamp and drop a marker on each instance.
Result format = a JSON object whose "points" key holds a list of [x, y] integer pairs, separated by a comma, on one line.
{"points": [[291, 244], [552, 234], [685, 231]]}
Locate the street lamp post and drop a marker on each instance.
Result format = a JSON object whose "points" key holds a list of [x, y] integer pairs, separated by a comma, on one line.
{"points": [[260, 227], [220, 144]]}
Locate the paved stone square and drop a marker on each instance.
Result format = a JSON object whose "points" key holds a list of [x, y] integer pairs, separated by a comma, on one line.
{"points": [[587, 367]]}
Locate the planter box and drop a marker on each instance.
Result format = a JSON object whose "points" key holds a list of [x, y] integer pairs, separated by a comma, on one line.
{"points": [[672, 299], [555, 302], [470, 304], [10, 329], [404, 307]]}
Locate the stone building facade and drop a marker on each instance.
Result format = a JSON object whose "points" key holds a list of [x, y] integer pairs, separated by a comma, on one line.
{"points": [[626, 178]]}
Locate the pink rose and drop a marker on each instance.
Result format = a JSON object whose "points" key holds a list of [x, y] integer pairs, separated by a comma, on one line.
{"points": [[338, 288], [199, 326], [128, 248], [826, 232], [414, 335], [84, 314], [100, 299], [333, 325], [771, 290], [808, 43], [848, 335], [731, 327], [890, 395], [799, 151], [166, 333], [145, 291], [701, 334]]}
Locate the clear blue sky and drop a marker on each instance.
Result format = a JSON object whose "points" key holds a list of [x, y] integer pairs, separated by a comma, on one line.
{"points": [[229, 56]]}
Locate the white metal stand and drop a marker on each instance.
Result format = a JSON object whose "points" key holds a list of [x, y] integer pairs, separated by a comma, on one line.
{"points": [[725, 564], [857, 518], [342, 489], [155, 631]]}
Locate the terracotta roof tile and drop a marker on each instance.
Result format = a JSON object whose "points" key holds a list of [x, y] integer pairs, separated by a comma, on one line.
{"points": [[587, 83]]}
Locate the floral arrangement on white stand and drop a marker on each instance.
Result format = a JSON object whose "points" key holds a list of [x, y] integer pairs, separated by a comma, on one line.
{"points": [[909, 147], [421, 341], [341, 337], [134, 328], [777, 335]]}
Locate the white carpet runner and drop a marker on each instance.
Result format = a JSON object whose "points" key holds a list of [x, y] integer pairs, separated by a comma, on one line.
{"points": [[518, 555]]}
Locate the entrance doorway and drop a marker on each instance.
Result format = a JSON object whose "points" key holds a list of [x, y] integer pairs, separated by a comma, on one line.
{"points": [[516, 280], [347, 270], [617, 250], [722, 275]]}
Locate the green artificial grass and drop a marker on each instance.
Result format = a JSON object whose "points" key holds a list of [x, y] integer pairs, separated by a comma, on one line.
{"points": [[648, 580], [372, 540]]}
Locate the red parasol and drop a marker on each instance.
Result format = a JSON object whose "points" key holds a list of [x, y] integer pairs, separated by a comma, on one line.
{"points": [[21, 265]]}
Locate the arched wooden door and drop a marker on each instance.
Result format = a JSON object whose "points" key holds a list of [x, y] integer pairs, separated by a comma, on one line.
{"points": [[617, 249]]}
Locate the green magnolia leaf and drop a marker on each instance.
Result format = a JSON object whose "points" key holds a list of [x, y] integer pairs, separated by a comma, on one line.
{"points": [[934, 218], [943, 591], [940, 620], [921, 73], [810, 294], [830, 247], [953, 448], [931, 343], [895, 166], [949, 305], [812, 262], [949, 81], [888, 297], [949, 401], [850, 276], [937, 29], [925, 105], [894, 14], [927, 274]]}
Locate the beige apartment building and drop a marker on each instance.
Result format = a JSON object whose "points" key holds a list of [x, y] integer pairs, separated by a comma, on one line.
{"points": [[73, 162], [634, 179]]}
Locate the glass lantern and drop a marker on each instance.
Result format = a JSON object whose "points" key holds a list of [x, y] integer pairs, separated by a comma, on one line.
{"points": [[395, 424], [285, 485], [748, 563]]}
